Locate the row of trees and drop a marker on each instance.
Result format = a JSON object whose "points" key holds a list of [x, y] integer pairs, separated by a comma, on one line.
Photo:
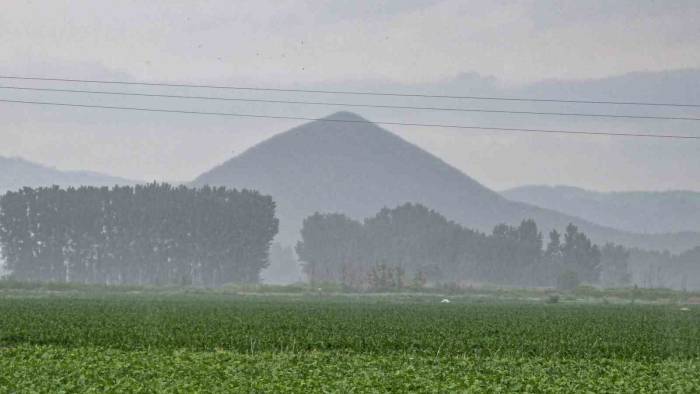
{"points": [[418, 243], [663, 269], [153, 233]]}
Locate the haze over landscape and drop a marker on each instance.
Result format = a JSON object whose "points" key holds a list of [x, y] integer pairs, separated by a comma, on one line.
{"points": [[344, 163], [367, 196], [317, 45]]}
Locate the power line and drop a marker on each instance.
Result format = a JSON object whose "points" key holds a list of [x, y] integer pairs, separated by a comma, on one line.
{"points": [[363, 93], [502, 129], [479, 110]]}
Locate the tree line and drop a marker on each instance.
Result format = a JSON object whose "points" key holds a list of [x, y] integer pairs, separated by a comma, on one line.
{"points": [[411, 244], [657, 269], [144, 234]]}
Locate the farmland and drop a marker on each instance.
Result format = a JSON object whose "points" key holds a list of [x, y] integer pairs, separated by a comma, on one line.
{"points": [[94, 341]]}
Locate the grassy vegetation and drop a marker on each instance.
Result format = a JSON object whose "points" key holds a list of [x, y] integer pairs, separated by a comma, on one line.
{"points": [[87, 369], [582, 293], [149, 341]]}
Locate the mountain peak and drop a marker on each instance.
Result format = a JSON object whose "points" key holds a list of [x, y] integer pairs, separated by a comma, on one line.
{"points": [[342, 128], [353, 167], [345, 115]]}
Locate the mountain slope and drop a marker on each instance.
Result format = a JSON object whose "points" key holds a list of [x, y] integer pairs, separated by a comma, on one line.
{"points": [[648, 212], [16, 173], [358, 168]]}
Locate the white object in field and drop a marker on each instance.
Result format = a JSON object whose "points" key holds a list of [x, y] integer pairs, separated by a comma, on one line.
{"points": [[445, 301], [685, 309]]}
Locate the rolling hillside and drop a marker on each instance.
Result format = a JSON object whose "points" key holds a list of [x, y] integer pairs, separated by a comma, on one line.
{"points": [[648, 212], [16, 173]]}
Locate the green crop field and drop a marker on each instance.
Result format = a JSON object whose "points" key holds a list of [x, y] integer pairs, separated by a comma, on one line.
{"points": [[108, 342]]}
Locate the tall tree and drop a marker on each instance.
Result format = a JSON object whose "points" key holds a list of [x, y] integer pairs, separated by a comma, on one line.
{"points": [[614, 262], [331, 248], [580, 255]]}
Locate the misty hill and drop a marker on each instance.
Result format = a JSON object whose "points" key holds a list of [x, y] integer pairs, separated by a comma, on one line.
{"points": [[648, 212], [16, 173], [654, 86], [358, 168]]}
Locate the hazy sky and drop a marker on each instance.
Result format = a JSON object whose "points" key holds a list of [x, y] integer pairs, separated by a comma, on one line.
{"points": [[506, 47]]}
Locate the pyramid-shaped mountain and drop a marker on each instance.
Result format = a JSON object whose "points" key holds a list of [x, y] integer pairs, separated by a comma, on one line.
{"points": [[344, 163]]}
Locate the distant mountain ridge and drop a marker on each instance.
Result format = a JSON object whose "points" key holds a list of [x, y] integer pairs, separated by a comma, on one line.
{"points": [[358, 168], [16, 173], [635, 211]]}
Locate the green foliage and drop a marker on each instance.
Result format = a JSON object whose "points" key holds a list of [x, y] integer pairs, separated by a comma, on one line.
{"points": [[225, 343], [50, 368], [209, 321], [614, 263], [336, 248], [580, 255], [145, 234], [330, 249], [419, 240]]}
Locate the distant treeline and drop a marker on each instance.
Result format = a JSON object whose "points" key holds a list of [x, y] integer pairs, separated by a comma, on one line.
{"points": [[144, 234], [411, 244], [663, 269]]}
